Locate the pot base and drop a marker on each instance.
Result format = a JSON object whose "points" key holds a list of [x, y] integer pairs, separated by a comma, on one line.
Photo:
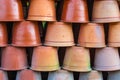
{"points": [[25, 45], [114, 44]]}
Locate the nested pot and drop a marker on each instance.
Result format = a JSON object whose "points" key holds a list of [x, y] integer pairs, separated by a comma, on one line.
{"points": [[75, 11], [105, 11], [42, 10], [3, 75], [114, 75], [91, 35]]}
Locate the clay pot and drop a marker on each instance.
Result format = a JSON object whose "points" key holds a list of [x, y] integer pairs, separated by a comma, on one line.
{"points": [[114, 33], [108, 8], [28, 75], [59, 34], [3, 75], [13, 58], [114, 75], [107, 59], [45, 59], [91, 35], [25, 34], [75, 11], [3, 35], [11, 10], [77, 59], [42, 10], [60, 75], [93, 75]]}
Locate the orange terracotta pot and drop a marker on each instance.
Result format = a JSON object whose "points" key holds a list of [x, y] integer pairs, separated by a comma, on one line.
{"points": [[91, 35], [75, 11], [11, 10], [45, 59], [25, 34], [3, 75], [59, 34], [108, 8], [3, 35], [13, 58], [107, 59], [114, 33], [28, 74], [77, 59], [42, 10]]}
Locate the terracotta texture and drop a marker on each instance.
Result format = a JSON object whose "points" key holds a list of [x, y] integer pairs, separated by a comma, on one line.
{"points": [[114, 75], [25, 34], [42, 10], [75, 11], [93, 75], [11, 10], [13, 58], [113, 36], [28, 75], [45, 59], [3, 35], [107, 59], [60, 75], [3, 75], [91, 35], [59, 34], [77, 59], [108, 8]]}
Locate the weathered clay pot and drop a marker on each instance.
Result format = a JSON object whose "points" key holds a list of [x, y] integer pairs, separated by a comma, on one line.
{"points": [[113, 36], [45, 59], [107, 59], [91, 35], [25, 34], [108, 8], [93, 75], [59, 34], [13, 58], [42, 10], [77, 59], [11, 10], [3, 75], [114, 75], [3, 35], [28, 74], [75, 11], [60, 75]]}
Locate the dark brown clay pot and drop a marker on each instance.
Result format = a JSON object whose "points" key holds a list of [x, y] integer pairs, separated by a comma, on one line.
{"points": [[45, 59], [75, 11], [25, 34], [28, 74], [11, 10], [3, 35], [59, 34], [42, 10], [3, 75], [91, 35], [13, 58]]}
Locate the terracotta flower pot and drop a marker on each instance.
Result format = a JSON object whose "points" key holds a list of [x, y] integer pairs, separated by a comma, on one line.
{"points": [[77, 59], [114, 75], [25, 34], [108, 8], [59, 34], [28, 75], [60, 75], [45, 59], [107, 59], [3, 35], [93, 75], [13, 58], [114, 33], [75, 11], [42, 10], [3, 75], [11, 10], [91, 35]]}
